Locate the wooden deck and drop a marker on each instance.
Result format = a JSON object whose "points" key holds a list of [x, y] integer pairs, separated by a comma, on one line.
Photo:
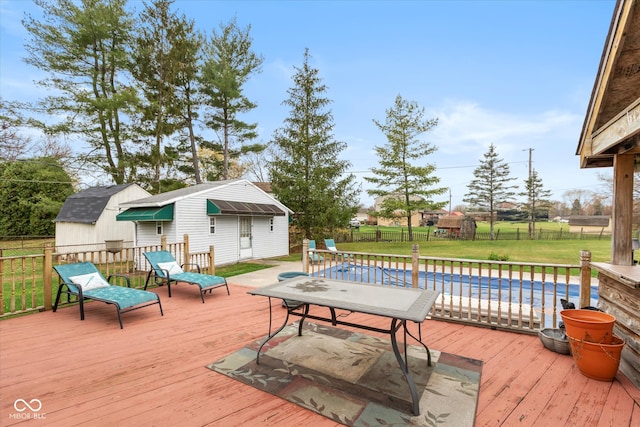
{"points": [[153, 371]]}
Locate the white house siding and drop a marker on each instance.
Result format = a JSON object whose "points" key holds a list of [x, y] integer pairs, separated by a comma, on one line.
{"points": [[270, 243], [190, 217], [76, 237]]}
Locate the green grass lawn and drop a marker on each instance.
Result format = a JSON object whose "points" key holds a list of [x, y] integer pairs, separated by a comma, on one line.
{"points": [[541, 251]]}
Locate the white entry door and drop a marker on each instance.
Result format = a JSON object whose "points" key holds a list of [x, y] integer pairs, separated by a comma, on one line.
{"points": [[246, 238]]}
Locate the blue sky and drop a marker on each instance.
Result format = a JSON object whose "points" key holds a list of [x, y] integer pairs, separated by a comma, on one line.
{"points": [[517, 74]]}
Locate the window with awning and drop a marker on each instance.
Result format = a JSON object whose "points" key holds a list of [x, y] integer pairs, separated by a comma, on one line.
{"points": [[162, 213], [226, 207]]}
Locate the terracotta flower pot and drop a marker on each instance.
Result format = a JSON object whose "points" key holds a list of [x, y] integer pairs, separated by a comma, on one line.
{"points": [[596, 360], [588, 325]]}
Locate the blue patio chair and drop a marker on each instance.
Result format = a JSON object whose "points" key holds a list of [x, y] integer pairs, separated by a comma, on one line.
{"points": [[313, 255], [85, 281], [331, 247], [165, 269]]}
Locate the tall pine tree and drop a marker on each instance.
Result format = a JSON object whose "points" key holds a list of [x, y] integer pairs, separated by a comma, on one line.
{"points": [[306, 172], [83, 48], [228, 64], [490, 187], [406, 187], [537, 199]]}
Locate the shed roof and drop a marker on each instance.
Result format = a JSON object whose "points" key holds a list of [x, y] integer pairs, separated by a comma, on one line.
{"points": [[86, 206], [450, 222]]}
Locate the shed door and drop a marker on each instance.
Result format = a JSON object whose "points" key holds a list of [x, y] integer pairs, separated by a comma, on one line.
{"points": [[246, 250]]}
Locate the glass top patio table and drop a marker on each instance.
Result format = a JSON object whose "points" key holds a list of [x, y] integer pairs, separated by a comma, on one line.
{"points": [[398, 304], [395, 302]]}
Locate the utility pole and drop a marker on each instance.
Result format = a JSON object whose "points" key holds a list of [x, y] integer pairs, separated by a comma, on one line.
{"points": [[449, 201]]}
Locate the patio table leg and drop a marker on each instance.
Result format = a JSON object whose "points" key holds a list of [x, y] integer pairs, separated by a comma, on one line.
{"points": [[270, 335], [404, 364]]}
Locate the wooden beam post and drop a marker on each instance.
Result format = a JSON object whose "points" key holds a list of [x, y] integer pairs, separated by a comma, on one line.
{"points": [[623, 168]]}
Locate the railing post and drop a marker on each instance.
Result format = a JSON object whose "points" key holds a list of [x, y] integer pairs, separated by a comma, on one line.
{"points": [[163, 242], [47, 266], [585, 279], [187, 255], [415, 266], [305, 255], [212, 261]]}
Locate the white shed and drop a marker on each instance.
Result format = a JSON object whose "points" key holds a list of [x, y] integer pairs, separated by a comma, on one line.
{"points": [[88, 218], [236, 216]]}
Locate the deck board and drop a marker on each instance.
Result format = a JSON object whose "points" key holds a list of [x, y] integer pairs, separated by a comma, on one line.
{"points": [[153, 371]]}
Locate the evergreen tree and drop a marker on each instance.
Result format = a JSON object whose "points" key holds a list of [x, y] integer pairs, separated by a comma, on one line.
{"points": [[490, 187], [188, 95], [83, 47], [229, 63], [158, 60], [406, 187], [306, 174], [537, 200]]}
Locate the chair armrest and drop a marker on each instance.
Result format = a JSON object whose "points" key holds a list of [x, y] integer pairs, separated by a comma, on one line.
{"points": [[69, 291], [127, 279], [164, 271], [197, 266]]}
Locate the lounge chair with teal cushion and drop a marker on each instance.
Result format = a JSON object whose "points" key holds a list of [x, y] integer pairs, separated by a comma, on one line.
{"points": [[85, 281], [313, 255], [331, 247], [165, 269]]}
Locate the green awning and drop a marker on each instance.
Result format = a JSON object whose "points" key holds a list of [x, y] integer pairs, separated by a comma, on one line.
{"points": [[226, 207], [163, 213]]}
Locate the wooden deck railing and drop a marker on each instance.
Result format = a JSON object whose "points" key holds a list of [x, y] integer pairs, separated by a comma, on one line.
{"points": [[501, 295], [497, 294]]}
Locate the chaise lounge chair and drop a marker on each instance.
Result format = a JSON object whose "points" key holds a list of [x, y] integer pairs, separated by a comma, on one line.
{"points": [[165, 269], [85, 281], [331, 247], [314, 257]]}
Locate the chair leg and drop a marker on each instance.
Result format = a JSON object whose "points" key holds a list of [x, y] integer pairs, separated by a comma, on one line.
{"points": [[147, 281], [119, 317], [55, 306]]}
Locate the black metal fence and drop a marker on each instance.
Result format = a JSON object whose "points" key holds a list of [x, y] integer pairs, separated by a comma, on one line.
{"points": [[420, 236]]}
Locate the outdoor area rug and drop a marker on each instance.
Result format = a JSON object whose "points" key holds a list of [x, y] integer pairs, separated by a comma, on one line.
{"points": [[355, 379]]}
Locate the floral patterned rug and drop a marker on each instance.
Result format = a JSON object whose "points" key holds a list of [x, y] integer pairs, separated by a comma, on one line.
{"points": [[355, 379]]}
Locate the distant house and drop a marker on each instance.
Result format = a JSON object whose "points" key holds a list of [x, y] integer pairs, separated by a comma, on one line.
{"points": [[239, 219], [589, 224], [88, 218], [399, 220], [430, 218]]}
